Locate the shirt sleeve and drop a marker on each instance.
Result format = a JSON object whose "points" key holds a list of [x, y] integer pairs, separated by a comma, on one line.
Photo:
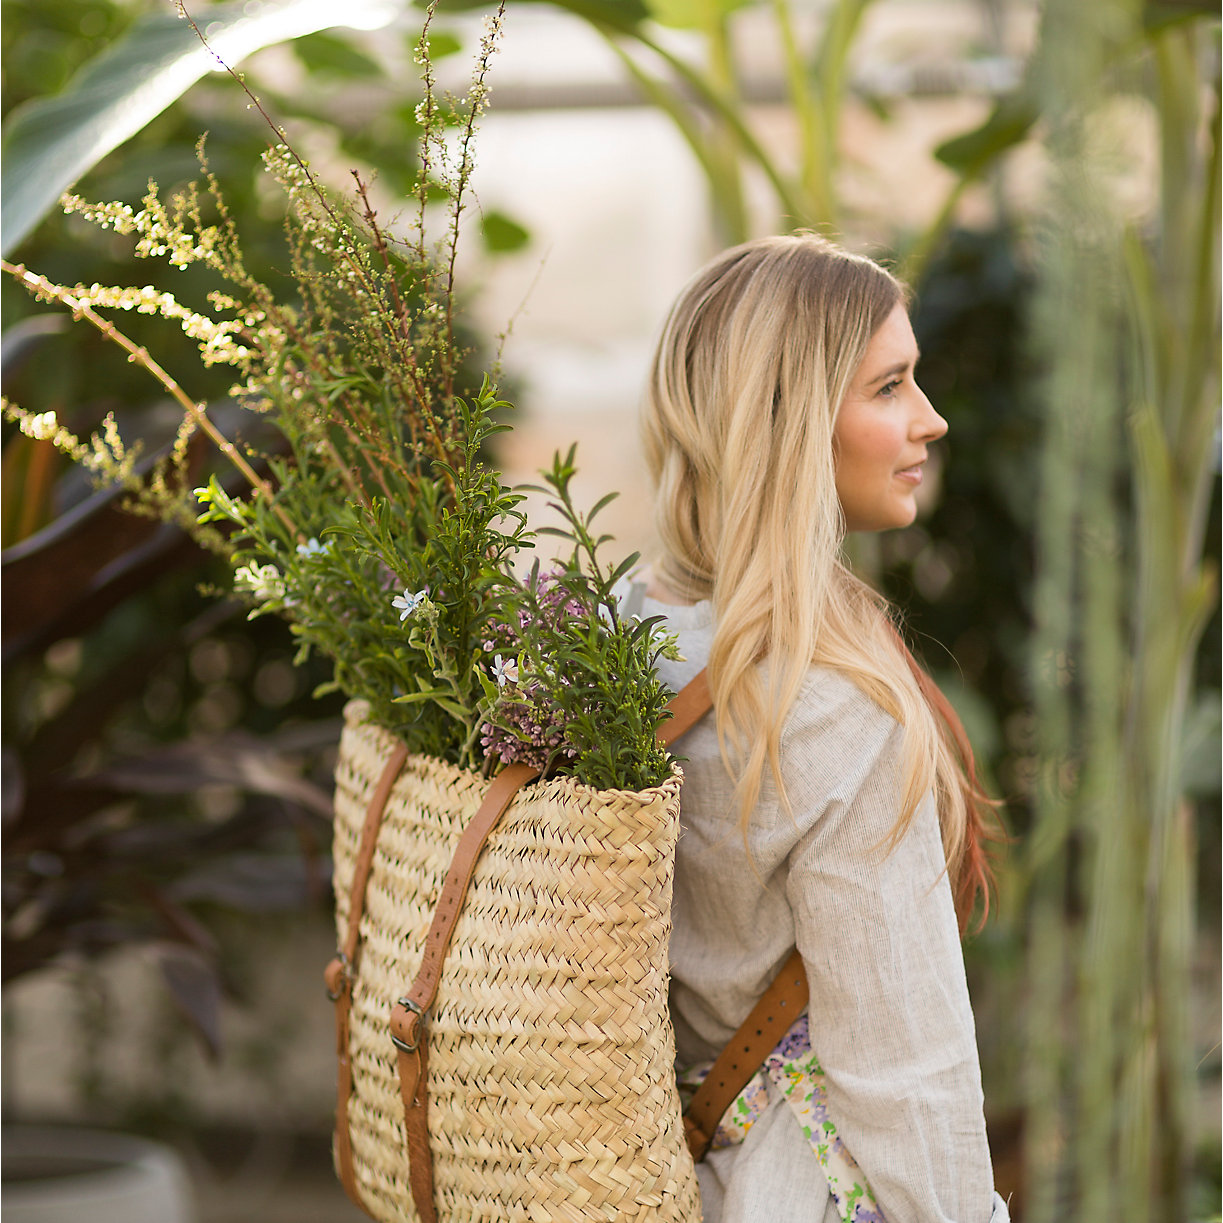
{"points": [[890, 1016]]}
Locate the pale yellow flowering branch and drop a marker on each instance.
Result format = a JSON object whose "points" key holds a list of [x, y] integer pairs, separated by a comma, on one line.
{"points": [[40, 286]]}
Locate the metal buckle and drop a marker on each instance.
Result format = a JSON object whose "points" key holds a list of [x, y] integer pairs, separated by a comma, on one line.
{"points": [[416, 1009]]}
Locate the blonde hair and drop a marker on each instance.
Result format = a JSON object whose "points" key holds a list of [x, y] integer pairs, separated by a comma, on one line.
{"points": [[754, 361]]}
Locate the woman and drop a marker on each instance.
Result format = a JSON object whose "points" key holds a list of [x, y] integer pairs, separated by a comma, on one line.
{"points": [[828, 804]]}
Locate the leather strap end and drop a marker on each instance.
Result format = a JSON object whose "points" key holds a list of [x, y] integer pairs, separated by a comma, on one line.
{"points": [[411, 1079], [696, 1138], [413, 1069], [336, 978]]}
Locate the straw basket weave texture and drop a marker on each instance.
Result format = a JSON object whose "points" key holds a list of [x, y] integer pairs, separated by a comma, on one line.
{"points": [[551, 1078]]}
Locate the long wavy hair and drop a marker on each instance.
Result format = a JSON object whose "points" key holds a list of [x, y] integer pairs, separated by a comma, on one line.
{"points": [[755, 358]]}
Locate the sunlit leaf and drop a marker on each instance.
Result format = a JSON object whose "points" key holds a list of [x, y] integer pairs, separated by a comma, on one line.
{"points": [[50, 142]]}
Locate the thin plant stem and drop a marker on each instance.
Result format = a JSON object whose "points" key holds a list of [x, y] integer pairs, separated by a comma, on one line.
{"points": [[320, 195], [425, 115], [463, 173], [46, 289]]}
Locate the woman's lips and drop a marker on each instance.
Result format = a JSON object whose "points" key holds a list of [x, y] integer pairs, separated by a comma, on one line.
{"points": [[911, 475]]}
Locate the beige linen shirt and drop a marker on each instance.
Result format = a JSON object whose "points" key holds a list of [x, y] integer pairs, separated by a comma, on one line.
{"points": [[890, 1014]]}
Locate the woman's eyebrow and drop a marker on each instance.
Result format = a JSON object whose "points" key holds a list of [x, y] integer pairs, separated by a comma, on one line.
{"points": [[900, 367]]}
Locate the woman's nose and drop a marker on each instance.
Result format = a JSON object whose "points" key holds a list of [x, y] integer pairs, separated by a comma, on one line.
{"points": [[928, 425]]}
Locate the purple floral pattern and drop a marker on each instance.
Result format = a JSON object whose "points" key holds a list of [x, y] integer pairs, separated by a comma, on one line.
{"points": [[796, 1073]]}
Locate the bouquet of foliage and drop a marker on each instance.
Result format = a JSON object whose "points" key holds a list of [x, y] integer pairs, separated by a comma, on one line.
{"points": [[357, 502]]}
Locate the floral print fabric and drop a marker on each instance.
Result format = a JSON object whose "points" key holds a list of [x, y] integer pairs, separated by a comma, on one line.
{"points": [[796, 1072]]}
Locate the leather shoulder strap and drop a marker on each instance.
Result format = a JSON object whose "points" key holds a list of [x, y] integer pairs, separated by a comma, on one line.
{"points": [[409, 1023], [767, 1022], [687, 707], [779, 1006]]}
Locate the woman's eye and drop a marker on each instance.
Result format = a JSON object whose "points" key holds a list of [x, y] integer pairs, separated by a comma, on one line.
{"points": [[889, 388]]}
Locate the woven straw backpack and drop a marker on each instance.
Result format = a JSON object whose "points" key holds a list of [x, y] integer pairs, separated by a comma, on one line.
{"points": [[504, 1041]]}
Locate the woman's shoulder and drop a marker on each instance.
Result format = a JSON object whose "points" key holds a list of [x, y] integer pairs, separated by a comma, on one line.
{"points": [[829, 707], [830, 702], [835, 738]]}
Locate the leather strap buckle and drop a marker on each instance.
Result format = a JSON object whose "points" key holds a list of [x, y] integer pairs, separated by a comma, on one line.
{"points": [[416, 1019]]}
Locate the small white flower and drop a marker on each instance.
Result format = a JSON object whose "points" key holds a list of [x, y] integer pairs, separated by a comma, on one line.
{"points": [[312, 548], [408, 602], [505, 670], [263, 581], [41, 427]]}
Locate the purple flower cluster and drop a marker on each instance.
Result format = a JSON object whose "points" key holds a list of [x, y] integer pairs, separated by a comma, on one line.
{"points": [[529, 734], [555, 606], [530, 729]]}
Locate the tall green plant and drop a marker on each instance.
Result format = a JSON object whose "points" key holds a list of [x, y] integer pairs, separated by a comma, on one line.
{"points": [[1127, 322]]}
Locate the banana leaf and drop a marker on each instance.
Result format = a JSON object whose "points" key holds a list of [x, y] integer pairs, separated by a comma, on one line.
{"points": [[48, 143]]}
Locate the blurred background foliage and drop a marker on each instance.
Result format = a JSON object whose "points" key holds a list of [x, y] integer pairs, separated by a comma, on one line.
{"points": [[1066, 570], [163, 758]]}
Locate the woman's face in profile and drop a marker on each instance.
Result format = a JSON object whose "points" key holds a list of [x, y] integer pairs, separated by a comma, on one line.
{"points": [[882, 430]]}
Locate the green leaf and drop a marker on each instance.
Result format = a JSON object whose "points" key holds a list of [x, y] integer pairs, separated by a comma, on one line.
{"points": [[623, 567], [502, 233], [48, 143], [328, 55], [691, 14], [1008, 124], [411, 698], [1159, 13], [622, 15], [603, 501]]}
